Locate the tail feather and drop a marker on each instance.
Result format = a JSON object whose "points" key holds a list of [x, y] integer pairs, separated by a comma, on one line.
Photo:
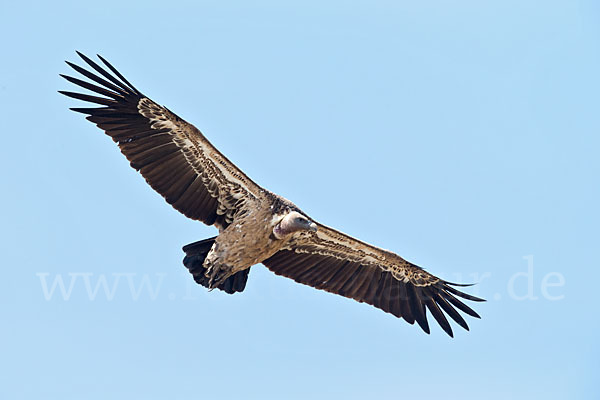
{"points": [[194, 261]]}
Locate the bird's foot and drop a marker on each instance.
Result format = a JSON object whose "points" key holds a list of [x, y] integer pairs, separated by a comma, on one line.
{"points": [[217, 274]]}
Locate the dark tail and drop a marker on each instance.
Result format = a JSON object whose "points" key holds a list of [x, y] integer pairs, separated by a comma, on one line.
{"points": [[196, 252]]}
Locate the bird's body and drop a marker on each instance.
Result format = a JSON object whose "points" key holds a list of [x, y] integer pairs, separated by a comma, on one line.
{"points": [[251, 237], [255, 226]]}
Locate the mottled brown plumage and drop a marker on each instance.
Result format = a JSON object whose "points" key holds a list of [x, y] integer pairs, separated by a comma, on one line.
{"points": [[255, 225]]}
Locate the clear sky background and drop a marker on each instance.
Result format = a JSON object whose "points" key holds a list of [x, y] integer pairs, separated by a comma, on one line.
{"points": [[462, 135]]}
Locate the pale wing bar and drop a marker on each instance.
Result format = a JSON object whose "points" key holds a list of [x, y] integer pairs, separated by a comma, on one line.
{"points": [[165, 149], [327, 268]]}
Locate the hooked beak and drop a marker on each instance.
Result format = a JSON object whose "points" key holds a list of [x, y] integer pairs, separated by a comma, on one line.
{"points": [[312, 227]]}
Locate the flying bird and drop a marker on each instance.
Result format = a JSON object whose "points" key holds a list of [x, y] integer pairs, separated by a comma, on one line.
{"points": [[255, 225]]}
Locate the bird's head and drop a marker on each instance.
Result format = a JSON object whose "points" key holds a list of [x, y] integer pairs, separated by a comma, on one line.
{"points": [[293, 222]]}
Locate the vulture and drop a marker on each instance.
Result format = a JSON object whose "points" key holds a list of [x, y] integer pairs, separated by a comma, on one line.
{"points": [[255, 225]]}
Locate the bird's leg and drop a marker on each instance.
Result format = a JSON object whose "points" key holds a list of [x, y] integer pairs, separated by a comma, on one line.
{"points": [[217, 274]]}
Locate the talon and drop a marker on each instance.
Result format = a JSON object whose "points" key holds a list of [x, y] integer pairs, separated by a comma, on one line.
{"points": [[217, 276]]}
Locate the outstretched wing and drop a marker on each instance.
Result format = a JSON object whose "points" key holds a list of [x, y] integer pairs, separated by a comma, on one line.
{"points": [[172, 155], [335, 262]]}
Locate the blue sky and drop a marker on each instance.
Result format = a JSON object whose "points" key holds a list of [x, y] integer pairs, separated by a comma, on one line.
{"points": [[462, 135]]}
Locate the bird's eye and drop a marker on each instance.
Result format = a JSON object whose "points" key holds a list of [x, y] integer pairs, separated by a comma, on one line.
{"points": [[299, 220]]}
